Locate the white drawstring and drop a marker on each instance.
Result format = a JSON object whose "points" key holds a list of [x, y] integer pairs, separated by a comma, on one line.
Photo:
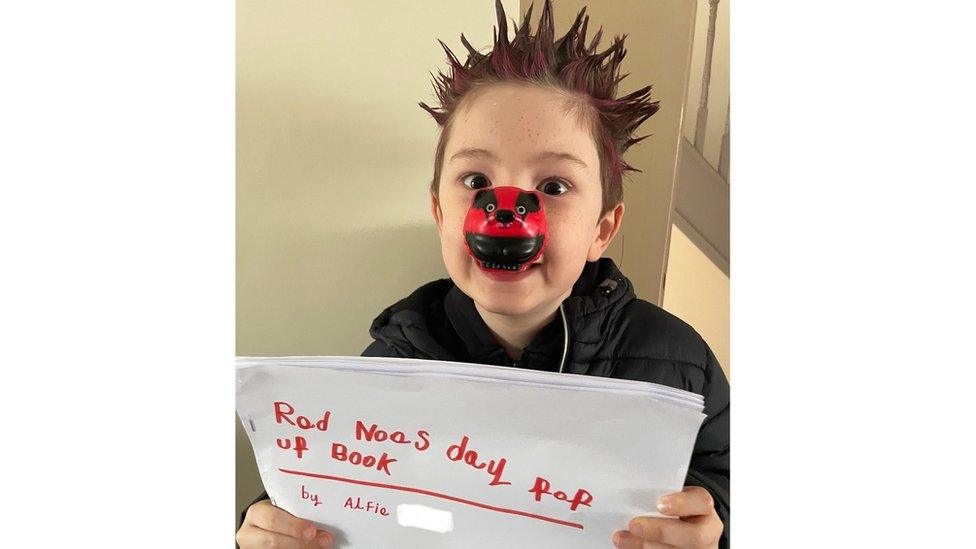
{"points": [[565, 338]]}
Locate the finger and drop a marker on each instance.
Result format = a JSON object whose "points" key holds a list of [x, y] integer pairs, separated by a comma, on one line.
{"points": [[322, 539], [270, 518], [692, 501], [625, 540], [711, 525], [252, 537], [673, 532]]}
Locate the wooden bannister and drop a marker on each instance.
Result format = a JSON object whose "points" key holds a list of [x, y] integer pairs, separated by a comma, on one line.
{"points": [[702, 119]]}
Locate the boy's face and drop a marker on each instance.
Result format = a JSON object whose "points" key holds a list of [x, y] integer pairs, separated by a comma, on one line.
{"points": [[517, 125]]}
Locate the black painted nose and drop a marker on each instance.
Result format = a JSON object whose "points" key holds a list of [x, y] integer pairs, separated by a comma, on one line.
{"points": [[504, 216]]}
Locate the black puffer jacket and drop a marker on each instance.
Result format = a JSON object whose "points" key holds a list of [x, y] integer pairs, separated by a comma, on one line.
{"points": [[611, 333]]}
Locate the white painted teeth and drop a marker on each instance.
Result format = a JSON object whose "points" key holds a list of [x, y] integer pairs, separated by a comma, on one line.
{"points": [[499, 266]]}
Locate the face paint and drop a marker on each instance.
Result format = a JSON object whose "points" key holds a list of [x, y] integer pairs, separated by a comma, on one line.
{"points": [[505, 229]]}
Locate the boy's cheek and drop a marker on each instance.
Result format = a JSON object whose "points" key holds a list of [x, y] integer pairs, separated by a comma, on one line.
{"points": [[454, 222]]}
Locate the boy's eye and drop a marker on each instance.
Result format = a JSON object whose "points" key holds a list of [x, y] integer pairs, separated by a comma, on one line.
{"points": [[475, 181], [553, 186]]}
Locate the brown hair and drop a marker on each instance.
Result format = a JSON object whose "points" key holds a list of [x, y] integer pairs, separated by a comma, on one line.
{"points": [[564, 65]]}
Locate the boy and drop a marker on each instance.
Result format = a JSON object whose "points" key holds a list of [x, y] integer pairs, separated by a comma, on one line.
{"points": [[539, 115]]}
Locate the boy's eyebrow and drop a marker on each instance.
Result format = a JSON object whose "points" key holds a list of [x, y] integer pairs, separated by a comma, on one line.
{"points": [[547, 155]]}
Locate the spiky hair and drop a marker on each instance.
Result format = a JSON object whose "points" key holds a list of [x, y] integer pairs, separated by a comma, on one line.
{"points": [[566, 64]]}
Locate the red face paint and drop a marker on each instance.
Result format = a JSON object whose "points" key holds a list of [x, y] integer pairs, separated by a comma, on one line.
{"points": [[505, 228]]}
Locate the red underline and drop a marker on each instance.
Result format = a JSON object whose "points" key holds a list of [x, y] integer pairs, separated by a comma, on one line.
{"points": [[436, 495]]}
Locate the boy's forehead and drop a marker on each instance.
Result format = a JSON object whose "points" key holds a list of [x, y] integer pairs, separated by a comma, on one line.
{"points": [[526, 106], [523, 120]]}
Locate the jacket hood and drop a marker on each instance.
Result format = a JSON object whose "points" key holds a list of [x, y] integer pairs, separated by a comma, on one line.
{"points": [[439, 322]]}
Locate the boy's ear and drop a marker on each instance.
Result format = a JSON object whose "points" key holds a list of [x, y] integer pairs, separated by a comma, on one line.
{"points": [[435, 210], [606, 229]]}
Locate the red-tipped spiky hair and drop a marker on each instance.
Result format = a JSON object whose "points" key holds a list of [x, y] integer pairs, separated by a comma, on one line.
{"points": [[566, 64]]}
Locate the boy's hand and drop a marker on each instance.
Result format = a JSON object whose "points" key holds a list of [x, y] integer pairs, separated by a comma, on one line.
{"points": [[699, 526], [268, 526]]}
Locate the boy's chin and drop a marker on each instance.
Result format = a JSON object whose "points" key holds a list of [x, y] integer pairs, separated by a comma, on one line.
{"points": [[507, 305], [505, 293]]}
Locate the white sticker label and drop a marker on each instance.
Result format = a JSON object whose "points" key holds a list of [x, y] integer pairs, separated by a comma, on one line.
{"points": [[427, 518]]}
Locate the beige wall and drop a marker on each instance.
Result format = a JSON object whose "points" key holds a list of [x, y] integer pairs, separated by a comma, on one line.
{"points": [[334, 158], [698, 292]]}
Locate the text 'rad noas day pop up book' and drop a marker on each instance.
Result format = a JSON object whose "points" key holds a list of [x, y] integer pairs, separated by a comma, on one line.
{"points": [[407, 453]]}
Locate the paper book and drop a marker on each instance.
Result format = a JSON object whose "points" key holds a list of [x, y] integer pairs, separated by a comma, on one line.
{"points": [[408, 453]]}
